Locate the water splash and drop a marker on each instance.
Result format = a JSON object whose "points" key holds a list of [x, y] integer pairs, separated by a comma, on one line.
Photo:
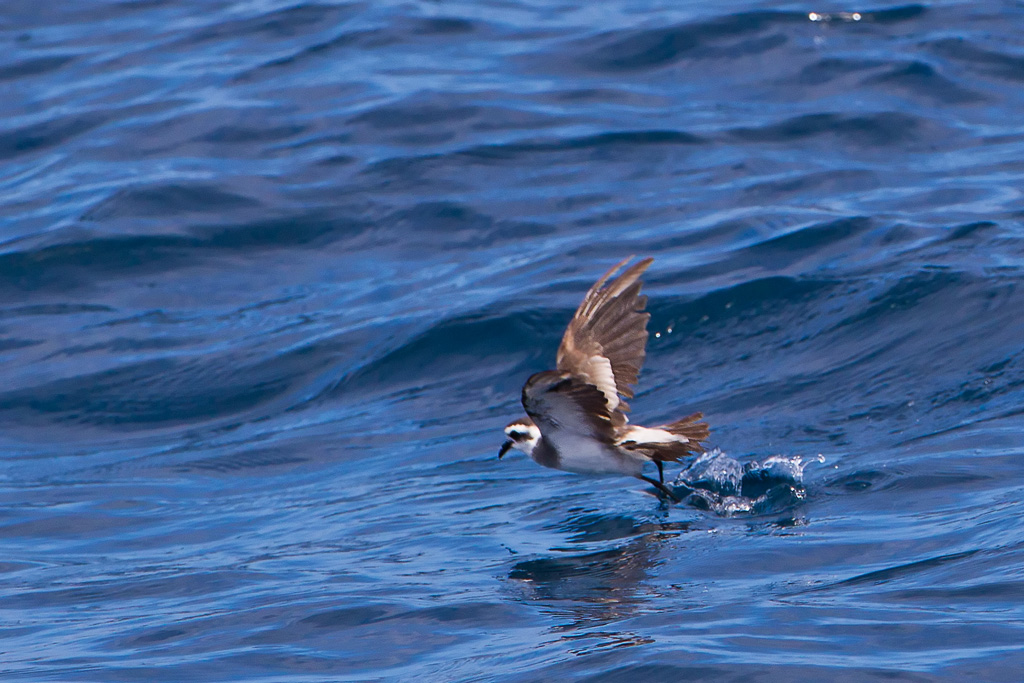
{"points": [[727, 487]]}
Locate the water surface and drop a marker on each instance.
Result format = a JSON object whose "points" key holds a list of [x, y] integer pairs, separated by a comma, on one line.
{"points": [[272, 276]]}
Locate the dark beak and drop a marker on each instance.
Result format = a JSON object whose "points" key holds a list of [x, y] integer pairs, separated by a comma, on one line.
{"points": [[504, 448]]}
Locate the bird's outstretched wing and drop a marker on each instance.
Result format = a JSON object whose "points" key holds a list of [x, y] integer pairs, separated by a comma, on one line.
{"points": [[561, 404], [606, 340]]}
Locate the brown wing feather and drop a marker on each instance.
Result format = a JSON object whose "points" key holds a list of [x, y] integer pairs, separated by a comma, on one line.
{"points": [[606, 340]]}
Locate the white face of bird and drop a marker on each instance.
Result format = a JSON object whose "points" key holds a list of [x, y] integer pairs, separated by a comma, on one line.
{"points": [[521, 435]]}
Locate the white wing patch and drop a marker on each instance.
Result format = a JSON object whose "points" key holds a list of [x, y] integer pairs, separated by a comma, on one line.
{"points": [[599, 373]]}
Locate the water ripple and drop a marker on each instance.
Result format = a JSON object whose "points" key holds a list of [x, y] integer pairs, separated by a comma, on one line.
{"points": [[273, 275]]}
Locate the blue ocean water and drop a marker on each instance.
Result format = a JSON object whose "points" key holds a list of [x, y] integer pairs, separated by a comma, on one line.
{"points": [[272, 275]]}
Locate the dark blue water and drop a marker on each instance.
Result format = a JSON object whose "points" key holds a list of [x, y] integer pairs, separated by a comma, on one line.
{"points": [[272, 276]]}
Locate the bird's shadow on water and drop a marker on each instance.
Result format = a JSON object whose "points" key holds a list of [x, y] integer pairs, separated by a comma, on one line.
{"points": [[606, 570], [599, 577]]}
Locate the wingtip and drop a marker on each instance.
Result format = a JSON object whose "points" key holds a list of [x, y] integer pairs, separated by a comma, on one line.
{"points": [[645, 261], [638, 268], [643, 264], [626, 279]]}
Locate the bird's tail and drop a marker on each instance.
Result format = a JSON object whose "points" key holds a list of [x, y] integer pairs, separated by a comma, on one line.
{"points": [[692, 428], [673, 441]]}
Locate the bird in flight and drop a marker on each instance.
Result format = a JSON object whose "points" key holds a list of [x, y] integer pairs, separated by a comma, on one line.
{"points": [[577, 413]]}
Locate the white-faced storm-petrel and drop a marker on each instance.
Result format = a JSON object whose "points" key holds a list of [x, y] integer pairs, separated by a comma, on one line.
{"points": [[577, 413]]}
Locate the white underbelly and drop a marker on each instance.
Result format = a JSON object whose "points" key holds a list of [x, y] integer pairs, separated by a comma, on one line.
{"points": [[583, 455]]}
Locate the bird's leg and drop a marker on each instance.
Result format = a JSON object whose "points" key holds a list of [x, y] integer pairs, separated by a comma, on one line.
{"points": [[661, 471], [661, 487]]}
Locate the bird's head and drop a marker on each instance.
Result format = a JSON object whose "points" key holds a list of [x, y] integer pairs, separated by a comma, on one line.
{"points": [[521, 434]]}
